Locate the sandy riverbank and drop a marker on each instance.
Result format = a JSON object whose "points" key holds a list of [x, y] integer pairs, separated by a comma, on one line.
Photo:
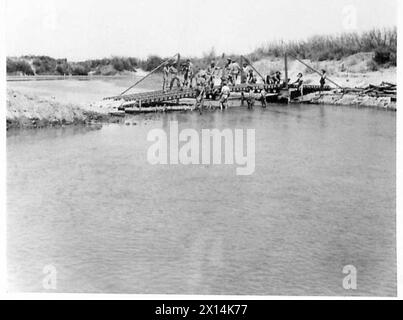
{"points": [[348, 99], [30, 111]]}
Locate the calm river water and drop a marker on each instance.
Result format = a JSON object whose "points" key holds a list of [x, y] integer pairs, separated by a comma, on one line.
{"points": [[85, 201]]}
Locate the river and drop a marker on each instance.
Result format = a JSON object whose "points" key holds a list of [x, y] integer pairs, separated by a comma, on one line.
{"points": [[85, 201]]}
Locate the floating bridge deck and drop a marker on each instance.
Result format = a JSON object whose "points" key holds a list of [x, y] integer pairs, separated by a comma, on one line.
{"points": [[144, 99]]}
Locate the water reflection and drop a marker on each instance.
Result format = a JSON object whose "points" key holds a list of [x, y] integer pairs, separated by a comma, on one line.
{"points": [[55, 132]]}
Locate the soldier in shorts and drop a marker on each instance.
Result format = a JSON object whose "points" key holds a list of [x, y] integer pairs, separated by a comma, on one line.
{"points": [[322, 80], [188, 74], [211, 72], [201, 83], [165, 77], [173, 72], [225, 93], [235, 71]]}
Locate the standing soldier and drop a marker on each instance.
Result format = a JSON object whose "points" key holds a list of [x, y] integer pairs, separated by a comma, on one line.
{"points": [[173, 72], [188, 74], [201, 83], [165, 76], [277, 78], [269, 79], [251, 79], [250, 99], [226, 74], [299, 83], [235, 70], [225, 93], [211, 70], [244, 72], [322, 80]]}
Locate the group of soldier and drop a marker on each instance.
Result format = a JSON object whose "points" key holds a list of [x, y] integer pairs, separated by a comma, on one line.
{"points": [[216, 80], [231, 72], [204, 80]]}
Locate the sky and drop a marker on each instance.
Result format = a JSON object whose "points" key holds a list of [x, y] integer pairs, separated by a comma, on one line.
{"points": [[87, 29]]}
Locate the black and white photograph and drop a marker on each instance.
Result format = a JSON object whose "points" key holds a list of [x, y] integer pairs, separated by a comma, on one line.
{"points": [[201, 147]]}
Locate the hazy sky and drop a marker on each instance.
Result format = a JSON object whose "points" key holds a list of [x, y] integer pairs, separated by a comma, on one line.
{"points": [[81, 29]]}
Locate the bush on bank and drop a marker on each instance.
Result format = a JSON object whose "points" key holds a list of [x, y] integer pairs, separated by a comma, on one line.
{"points": [[382, 42]]}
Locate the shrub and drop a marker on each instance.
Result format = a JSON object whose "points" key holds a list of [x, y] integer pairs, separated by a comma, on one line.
{"points": [[44, 65], [384, 55], [118, 64], [16, 66], [79, 70], [62, 69], [151, 63]]}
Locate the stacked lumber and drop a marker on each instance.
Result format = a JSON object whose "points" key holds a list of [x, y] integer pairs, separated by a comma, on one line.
{"points": [[385, 89]]}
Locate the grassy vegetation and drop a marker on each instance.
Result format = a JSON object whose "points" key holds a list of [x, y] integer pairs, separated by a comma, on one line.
{"points": [[382, 43], [44, 65]]}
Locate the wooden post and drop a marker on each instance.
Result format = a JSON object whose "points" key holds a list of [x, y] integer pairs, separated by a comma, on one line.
{"points": [[242, 71], [178, 64], [286, 70], [178, 67]]}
